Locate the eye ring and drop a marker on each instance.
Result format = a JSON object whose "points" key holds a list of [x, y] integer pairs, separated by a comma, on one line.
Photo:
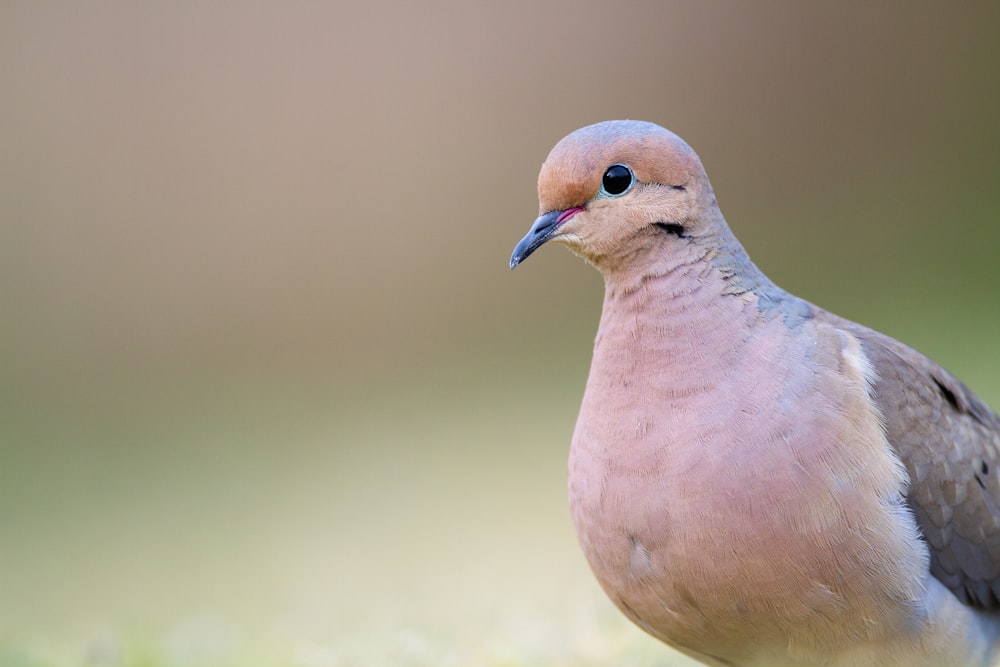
{"points": [[618, 179]]}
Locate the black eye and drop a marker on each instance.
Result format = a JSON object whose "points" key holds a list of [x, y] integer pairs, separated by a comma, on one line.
{"points": [[617, 180]]}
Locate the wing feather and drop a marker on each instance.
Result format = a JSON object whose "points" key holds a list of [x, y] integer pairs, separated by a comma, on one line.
{"points": [[949, 441]]}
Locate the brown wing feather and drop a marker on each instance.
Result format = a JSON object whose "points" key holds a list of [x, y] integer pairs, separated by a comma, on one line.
{"points": [[949, 441]]}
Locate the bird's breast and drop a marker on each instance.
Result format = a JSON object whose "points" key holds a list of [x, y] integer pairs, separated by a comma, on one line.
{"points": [[727, 487]]}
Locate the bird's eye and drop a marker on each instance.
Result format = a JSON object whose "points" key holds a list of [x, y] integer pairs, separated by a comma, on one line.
{"points": [[617, 180]]}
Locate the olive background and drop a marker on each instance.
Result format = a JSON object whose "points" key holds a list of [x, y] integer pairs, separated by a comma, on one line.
{"points": [[268, 391]]}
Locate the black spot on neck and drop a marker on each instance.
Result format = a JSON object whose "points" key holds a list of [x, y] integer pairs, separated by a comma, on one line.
{"points": [[672, 228]]}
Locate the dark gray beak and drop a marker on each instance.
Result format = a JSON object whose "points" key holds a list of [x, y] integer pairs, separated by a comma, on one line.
{"points": [[544, 228]]}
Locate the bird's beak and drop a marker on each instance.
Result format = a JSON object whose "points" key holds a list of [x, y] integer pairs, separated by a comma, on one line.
{"points": [[544, 229]]}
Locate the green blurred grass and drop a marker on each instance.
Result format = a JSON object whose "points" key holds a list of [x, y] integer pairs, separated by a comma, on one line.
{"points": [[418, 525]]}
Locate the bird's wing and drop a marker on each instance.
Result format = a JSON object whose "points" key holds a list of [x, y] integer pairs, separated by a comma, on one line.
{"points": [[949, 441]]}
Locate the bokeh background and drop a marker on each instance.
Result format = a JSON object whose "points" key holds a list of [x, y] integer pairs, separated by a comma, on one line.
{"points": [[268, 392]]}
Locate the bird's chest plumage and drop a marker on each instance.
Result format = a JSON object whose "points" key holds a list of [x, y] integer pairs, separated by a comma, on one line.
{"points": [[716, 516]]}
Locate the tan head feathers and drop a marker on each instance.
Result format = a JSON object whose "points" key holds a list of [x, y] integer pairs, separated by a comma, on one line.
{"points": [[571, 175]]}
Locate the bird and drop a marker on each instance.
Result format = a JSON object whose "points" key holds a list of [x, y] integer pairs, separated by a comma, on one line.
{"points": [[754, 480]]}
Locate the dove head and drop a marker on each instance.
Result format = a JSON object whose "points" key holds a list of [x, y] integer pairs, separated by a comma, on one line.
{"points": [[618, 190]]}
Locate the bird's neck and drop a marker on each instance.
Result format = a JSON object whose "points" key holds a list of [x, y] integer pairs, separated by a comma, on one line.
{"points": [[681, 283], [678, 314], [691, 313]]}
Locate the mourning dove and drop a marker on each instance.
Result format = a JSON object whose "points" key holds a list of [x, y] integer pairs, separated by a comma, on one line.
{"points": [[754, 480]]}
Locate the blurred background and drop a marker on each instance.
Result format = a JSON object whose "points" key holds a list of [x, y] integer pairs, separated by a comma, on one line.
{"points": [[268, 391]]}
